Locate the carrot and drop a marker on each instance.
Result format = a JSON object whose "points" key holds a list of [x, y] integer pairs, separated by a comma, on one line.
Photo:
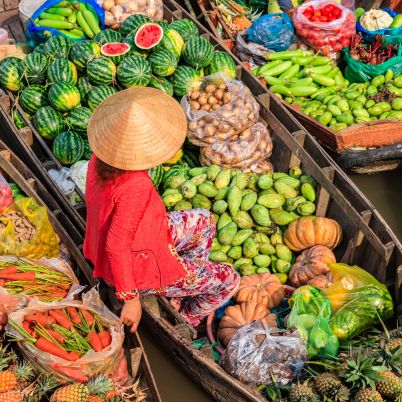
{"points": [[88, 316], [95, 341], [75, 374], [54, 295], [50, 347], [19, 276], [105, 338], [12, 269], [75, 317], [56, 336], [27, 326], [41, 319], [74, 355], [33, 285], [61, 318], [2, 282]]}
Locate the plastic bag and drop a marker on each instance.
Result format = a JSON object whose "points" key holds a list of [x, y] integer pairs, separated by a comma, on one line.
{"points": [[92, 363], [273, 31], [6, 194], [239, 111], [258, 354], [358, 300], [250, 52], [65, 184], [327, 37], [39, 240], [356, 71], [311, 312], [251, 146], [55, 264], [78, 173], [117, 11], [36, 34]]}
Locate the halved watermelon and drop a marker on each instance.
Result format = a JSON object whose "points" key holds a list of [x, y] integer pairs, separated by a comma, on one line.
{"points": [[148, 36], [115, 51]]}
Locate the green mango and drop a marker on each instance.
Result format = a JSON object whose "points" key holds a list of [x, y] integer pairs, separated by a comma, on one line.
{"points": [[345, 117], [208, 189], [371, 90], [188, 189], [369, 103], [217, 256], [290, 181], [262, 261], [398, 81], [378, 81], [252, 182], [278, 175], [280, 217], [183, 205], [283, 278], [176, 181], [267, 191], [385, 106], [306, 208], [222, 194], [250, 248], [223, 179], [242, 261], [215, 244], [325, 118], [170, 191], [197, 180], [343, 105], [240, 180], [262, 270], [362, 99], [395, 115], [283, 252], [335, 111], [260, 215], [375, 110], [383, 116], [294, 202], [282, 266], [200, 201], [225, 248], [276, 239], [267, 249], [197, 171], [271, 200], [243, 220], [338, 127], [308, 192], [247, 269], [234, 200], [268, 230], [285, 189], [248, 201], [219, 207], [171, 200], [261, 238], [234, 172], [355, 104], [226, 235], [235, 252], [295, 172], [212, 172], [241, 236], [224, 220], [361, 113], [265, 181], [397, 104]]}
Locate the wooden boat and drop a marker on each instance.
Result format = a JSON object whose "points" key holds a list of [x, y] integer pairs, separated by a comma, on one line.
{"points": [[15, 171], [364, 148]]}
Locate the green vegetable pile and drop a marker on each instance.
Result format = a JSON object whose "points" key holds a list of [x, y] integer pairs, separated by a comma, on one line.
{"points": [[318, 86], [251, 212]]}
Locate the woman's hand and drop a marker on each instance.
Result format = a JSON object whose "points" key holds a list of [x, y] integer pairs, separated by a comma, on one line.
{"points": [[131, 314]]}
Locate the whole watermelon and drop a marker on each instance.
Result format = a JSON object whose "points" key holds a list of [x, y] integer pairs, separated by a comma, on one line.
{"points": [[163, 62], [48, 122], [171, 41], [156, 175], [87, 150], [222, 63], [35, 66], [83, 52], [33, 98], [77, 120], [106, 36], [181, 169], [101, 71], [198, 52], [11, 74], [162, 84], [98, 94], [62, 70], [84, 86], [18, 119], [184, 80], [64, 96], [57, 47], [68, 147], [134, 71], [185, 27], [132, 23]]}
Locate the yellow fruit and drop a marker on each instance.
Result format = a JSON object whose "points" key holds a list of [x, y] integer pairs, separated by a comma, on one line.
{"points": [[394, 343], [11, 396], [8, 381], [71, 393], [368, 395], [176, 158], [391, 387]]}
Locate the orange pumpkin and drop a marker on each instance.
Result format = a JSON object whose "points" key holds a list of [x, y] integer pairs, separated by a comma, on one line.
{"points": [[309, 264], [263, 288], [321, 281], [308, 231], [240, 315]]}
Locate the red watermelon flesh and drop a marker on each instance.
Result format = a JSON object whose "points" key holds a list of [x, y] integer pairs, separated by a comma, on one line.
{"points": [[148, 36], [115, 49]]}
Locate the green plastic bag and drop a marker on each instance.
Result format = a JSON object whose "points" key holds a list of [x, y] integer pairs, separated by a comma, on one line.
{"points": [[357, 71]]}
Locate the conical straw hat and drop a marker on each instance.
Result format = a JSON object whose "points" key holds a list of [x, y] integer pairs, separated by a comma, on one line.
{"points": [[137, 128]]}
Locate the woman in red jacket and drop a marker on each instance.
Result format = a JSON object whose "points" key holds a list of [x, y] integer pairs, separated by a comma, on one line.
{"points": [[135, 246]]}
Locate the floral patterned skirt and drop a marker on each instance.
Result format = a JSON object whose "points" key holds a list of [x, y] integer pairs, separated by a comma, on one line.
{"points": [[208, 285]]}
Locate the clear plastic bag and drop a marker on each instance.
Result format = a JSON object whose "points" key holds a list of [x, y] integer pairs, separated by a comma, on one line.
{"points": [[358, 300], [258, 354], [327, 37], [250, 52], [116, 11], [244, 150], [273, 31], [239, 111], [78, 173], [92, 363], [61, 178], [42, 241]]}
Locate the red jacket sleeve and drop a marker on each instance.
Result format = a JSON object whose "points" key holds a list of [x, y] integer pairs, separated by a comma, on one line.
{"points": [[130, 205]]}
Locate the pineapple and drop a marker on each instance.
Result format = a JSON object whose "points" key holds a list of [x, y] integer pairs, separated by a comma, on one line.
{"points": [[15, 377], [330, 387], [395, 343], [391, 385], [11, 396], [302, 393], [368, 395]]}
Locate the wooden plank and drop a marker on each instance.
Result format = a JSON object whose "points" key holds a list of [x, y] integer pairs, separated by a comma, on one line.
{"points": [[323, 195], [152, 304], [5, 103], [11, 4], [1, 6], [17, 31], [135, 359], [300, 136]]}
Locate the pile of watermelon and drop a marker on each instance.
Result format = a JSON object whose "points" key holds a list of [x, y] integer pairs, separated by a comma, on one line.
{"points": [[62, 82]]}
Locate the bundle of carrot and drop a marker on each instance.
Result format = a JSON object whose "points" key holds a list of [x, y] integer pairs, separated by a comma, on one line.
{"points": [[34, 280], [68, 333]]}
